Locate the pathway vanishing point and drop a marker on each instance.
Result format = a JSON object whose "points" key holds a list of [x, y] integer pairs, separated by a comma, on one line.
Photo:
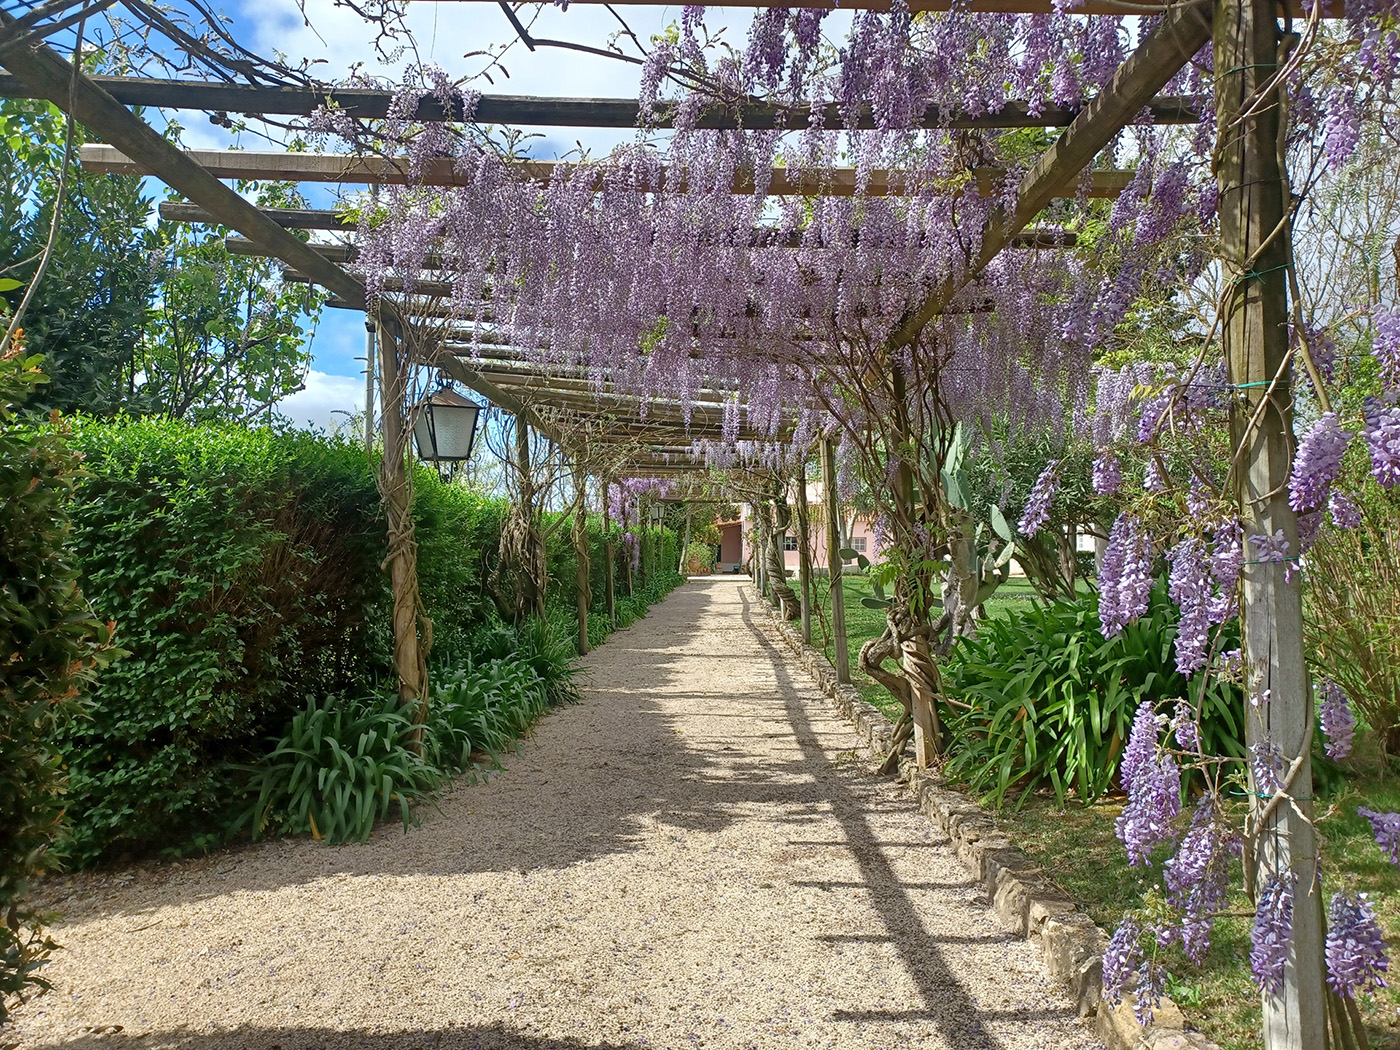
{"points": [[691, 857]]}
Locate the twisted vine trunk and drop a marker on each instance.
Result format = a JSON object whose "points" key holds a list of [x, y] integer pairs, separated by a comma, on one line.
{"points": [[785, 597], [412, 628]]}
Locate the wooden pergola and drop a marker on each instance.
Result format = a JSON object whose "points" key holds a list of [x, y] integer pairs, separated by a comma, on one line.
{"points": [[1253, 207]]}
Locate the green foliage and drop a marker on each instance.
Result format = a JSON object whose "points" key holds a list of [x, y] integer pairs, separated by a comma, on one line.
{"points": [[1052, 701], [90, 308], [701, 553], [137, 318], [244, 569], [342, 765], [339, 767], [1353, 611], [50, 643]]}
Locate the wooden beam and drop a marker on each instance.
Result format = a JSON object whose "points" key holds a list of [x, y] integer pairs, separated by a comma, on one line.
{"points": [[1027, 7], [759, 238], [287, 218], [1182, 32], [443, 171], [374, 103]]}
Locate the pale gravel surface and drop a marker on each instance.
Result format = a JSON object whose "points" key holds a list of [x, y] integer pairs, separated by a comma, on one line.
{"points": [[691, 857]]}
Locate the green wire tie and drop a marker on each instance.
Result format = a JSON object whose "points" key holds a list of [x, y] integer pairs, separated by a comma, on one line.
{"points": [[1256, 273], [1253, 65]]}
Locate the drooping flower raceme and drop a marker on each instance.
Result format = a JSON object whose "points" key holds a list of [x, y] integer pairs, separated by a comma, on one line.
{"points": [[1385, 345], [1382, 436], [1318, 463], [1121, 959], [1355, 948], [1386, 827], [1037, 511], [1345, 512], [1125, 576], [1197, 877], [1338, 719], [1153, 781], [1108, 474], [1270, 935]]}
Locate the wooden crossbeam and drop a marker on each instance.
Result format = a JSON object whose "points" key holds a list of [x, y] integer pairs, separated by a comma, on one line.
{"points": [[1013, 7], [373, 103], [760, 238], [442, 171], [1182, 32]]}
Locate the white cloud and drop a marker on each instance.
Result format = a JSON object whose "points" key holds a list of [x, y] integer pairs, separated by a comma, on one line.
{"points": [[326, 403]]}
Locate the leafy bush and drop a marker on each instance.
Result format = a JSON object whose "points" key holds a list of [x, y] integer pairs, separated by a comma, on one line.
{"points": [[1353, 611], [1052, 701], [243, 566], [339, 767], [342, 765], [49, 644]]}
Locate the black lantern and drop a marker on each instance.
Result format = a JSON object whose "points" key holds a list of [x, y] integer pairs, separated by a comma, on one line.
{"points": [[657, 512], [445, 427]]}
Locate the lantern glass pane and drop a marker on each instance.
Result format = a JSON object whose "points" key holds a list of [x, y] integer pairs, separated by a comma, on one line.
{"points": [[422, 438], [454, 426]]}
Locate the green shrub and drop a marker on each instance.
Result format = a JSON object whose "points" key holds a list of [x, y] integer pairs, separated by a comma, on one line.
{"points": [[50, 643], [244, 569], [1052, 701], [339, 767], [342, 765]]}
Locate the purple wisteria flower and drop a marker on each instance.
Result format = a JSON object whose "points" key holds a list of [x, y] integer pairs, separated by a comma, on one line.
{"points": [[1154, 803], [1338, 719], [1184, 727], [1108, 474], [1271, 934], [1345, 512], [1152, 479], [1385, 345], [1142, 744], [1189, 584], [1382, 436], [1125, 575], [1268, 764], [1197, 877], [1355, 948], [1274, 549], [1037, 511], [1386, 827], [1121, 959], [1318, 463]]}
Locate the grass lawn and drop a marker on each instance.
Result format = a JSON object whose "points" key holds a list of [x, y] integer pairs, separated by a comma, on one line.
{"points": [[862, 624]]}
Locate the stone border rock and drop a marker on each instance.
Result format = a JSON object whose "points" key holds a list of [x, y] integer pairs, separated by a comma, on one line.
{"points": [[1071, 944]]}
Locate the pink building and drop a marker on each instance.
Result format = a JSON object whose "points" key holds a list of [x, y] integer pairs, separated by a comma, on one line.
{"points": [[856, 533]]}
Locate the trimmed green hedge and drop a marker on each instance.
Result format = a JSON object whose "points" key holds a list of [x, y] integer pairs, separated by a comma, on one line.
{"points": [[243, 568]]}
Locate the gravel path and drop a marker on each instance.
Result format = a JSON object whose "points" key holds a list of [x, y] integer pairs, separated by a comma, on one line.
{"points": [[691, 857]]}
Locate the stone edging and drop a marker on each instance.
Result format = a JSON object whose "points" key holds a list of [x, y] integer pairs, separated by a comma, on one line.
{"points": [[1071, 944]]}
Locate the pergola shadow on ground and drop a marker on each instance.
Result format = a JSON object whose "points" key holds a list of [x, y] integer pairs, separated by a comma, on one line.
{"points": [[697, 860]]}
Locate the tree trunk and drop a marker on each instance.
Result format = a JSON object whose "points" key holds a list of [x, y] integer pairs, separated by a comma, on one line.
{"points": [[583, 568], [840, 643], [804, 552]]}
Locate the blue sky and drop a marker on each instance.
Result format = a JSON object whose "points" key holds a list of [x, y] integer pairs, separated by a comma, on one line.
{"points": [[445, 31]]}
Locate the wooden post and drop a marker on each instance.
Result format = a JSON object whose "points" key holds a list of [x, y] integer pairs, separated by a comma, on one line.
{"points": [[531, 583], [410, 664], [685, 543], [370, 352], [833, 560], [1255, 333], [583, 569], [610, 588], [804, 551]]}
